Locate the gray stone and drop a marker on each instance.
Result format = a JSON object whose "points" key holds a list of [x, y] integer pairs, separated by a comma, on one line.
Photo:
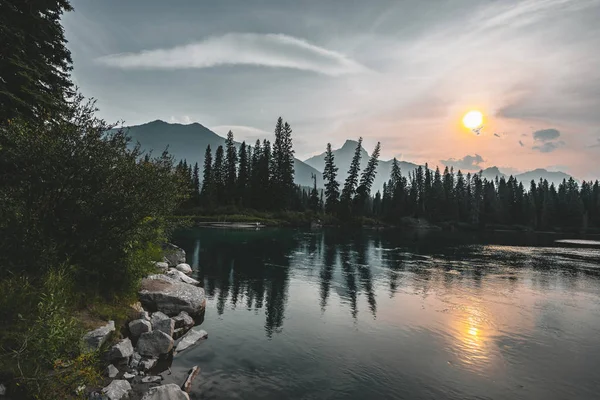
{"points": [[190, 338], [121, 350], [145, 315], [173, 255], [163, 293], [93, 340], [161, 266], [147, 364], [154, 344], [2, 390], [117, 390], [139, 326], [161, 322], [135, 360], [180, 276], [112, 371], [128, 376], [166, 392], [151, 379], [183, 320], [185, 268]]}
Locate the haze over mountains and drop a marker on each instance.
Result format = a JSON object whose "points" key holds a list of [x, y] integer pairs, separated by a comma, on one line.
{"points": [[189, 142]]}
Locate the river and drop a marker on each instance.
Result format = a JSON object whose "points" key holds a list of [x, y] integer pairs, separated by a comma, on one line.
{"points": [[388, 315]]}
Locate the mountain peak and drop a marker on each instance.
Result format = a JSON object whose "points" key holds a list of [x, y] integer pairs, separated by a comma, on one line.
{"points": [[349, 143]]}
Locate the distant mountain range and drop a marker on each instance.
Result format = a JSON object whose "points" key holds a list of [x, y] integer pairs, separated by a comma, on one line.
{"points": [[189, 142]]}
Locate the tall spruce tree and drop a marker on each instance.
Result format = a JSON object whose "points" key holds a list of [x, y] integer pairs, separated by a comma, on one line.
{"points": [[207, 178], [332, 186], [314, 196], [363, 192], [243, 178], [196, 182], [351, 181], [218, 181], [35, 63], [230, 169]]}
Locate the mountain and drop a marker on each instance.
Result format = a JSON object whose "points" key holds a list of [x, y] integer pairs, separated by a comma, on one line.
{"points": [[555, 177], [189, 142], [491, 173], [343, 158]]}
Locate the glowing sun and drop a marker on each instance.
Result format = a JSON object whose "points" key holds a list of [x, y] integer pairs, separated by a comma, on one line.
{"points": [[472, 119]]}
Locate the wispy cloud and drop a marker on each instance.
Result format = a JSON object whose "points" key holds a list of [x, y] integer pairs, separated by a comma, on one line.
{"points": [[548, 147], [545, 135], [269, 50]]}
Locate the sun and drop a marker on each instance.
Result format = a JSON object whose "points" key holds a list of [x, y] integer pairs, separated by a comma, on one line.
{"points": [[473, 119]]}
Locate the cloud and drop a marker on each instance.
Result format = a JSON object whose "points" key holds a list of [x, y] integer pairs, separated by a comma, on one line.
{"points": [[548, 147], [268, 50], [545, 135], [597, 144], [466, 163], [184, 119], [242, 132]]}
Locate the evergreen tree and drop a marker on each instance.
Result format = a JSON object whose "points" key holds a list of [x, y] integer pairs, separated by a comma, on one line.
{"points": [[230, 169], [314, 196], [35, 63], [332, 186], [243, 178], [218, 180], [282, 165], [366, 180], [196, 184], [351, 181], [207, 178]]}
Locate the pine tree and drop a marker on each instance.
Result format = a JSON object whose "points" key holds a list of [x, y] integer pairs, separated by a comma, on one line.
{"points": [[243, 178], [332, 186], [363, 192], [35, 63], [282, 165], [207, 178], [218, 180], [351, 181], [230, 169], [196, 182], [314, 196]]}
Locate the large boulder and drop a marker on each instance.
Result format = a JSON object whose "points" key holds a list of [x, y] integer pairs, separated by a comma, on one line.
{"points": [[183, 320], [93, 340], [139, 326], [185, 268], [154, 344], [178, 275], [161, 322], [166, 392], [162, 266], [162, 293], [173, 255], [117, 390], [121, 350], [190, 338]]}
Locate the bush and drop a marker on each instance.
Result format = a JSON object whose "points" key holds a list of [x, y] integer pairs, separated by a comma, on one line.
{"points": [[76, 192]]}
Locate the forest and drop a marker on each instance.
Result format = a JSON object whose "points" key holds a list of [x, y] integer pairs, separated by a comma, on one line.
{"points": [[261, 177]]}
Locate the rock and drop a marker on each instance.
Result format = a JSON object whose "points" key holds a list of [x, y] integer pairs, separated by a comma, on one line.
{"points": [[185, 268], [112, 371], [154, 344], [93, 340], [173, 255], [145, 315], [2, 390], [139, 326], [178, 275], [135, 360], [166, 392], [161, 322], [190, 338], [183, 320], [165, 294], [151, 379], [187, 385], [161, 266], [128, 376], [121, 350], [147, 364], [117, 390]]}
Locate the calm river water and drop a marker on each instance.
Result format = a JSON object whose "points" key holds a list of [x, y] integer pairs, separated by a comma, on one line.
{"points": [[386, 315]]}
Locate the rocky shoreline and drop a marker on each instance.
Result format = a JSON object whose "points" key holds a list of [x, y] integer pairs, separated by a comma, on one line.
{"points": [[170, 308]]}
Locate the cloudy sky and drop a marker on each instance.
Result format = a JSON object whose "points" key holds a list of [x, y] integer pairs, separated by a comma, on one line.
{"points": [[400, 72]]}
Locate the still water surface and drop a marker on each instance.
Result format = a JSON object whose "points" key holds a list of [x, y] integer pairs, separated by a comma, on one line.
{"points": [[371, 315]]}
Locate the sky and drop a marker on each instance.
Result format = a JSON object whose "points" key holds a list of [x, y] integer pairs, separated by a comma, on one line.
{"points": [[400, 72]]}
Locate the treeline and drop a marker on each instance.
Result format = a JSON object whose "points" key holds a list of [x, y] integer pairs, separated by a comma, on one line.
{"points": [[262, 178]]}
